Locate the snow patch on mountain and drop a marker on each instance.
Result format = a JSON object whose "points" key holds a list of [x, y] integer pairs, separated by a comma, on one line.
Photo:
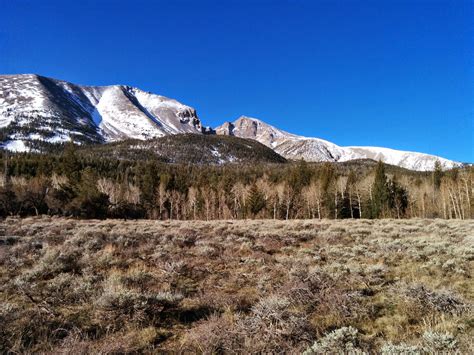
{"points": [[296, 147], [36, 109], [404, 159], [15, 146], [43, 105]]}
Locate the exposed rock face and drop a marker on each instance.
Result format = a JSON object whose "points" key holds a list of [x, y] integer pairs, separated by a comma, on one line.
{"points": [[33, 107], [247, 127], [296, 147], [36, 110], [226, 129]]}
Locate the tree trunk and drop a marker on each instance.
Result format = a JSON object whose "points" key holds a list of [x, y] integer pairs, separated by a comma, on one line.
{"points": [[444, 207], [360, 205], [454, 203], [350, 205], [468, 198]]}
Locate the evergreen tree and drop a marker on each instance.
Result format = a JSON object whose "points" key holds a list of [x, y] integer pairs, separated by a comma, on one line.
{"points": [[89, 202], [52, 183], [6, 170], [437, 175], [327, 177], [8, 201], [255, 200], [199, 202], [71, 164], [300, 176], [149, 180], [59, 199], [380, 192], [398, 197]]}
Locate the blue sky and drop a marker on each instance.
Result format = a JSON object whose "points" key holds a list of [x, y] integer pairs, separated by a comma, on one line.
{"points": [[388, 73]]}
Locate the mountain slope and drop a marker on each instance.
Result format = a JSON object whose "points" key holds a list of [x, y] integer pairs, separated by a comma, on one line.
{"points": [[189, 149], [252, 128], [314, 149], [36, 111], [33, 107]]}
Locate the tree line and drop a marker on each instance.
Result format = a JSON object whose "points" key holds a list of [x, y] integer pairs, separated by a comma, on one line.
{"points": [[73, 183]]}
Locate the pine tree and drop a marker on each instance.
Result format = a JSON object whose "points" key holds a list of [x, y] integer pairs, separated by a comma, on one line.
{"points": [[300, 176], [398, 197], [149, 180], [8, 201], [71, 164], [437, 175], [90, 202], [255, 200], [327, 178], [200, 204], [6, 171], [380, 191]]}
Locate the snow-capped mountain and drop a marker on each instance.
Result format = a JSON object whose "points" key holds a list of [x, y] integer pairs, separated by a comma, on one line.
{"points": [[292, 146], [34, 107], [36, 110]]}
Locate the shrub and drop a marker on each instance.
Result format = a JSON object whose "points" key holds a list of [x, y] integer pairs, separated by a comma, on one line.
{"points": [[119, 305], [443, 301], [273, 326], [343, 340], [401, 349], [80, 287], [439, 342], [215, 335]]}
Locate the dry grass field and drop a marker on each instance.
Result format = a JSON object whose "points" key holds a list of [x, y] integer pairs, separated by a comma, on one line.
{"points": [[352, 286]]}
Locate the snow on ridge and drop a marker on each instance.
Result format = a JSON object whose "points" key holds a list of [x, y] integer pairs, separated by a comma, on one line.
{"points": [[293, 146], [107, 113], [406, 159], [118, 112], [142, 115]]}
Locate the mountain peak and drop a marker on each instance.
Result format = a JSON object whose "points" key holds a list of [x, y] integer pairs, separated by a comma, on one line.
{"points": [[46, 110], [248, 118], [36, 110], [296, 147], [254, 128]]}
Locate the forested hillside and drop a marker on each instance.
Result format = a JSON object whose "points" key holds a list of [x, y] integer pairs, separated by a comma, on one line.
{"points": [[91, 183], [188, 149]]}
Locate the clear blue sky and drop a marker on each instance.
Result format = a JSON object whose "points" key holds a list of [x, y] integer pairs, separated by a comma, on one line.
{"points": [[381, 73]]}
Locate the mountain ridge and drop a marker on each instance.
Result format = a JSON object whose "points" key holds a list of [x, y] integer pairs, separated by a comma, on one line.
{"points": [[105, 113], [293, 146], [36, 110]]}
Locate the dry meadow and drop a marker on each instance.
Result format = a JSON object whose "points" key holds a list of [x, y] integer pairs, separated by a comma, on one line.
{"points": [[255, 286]]}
